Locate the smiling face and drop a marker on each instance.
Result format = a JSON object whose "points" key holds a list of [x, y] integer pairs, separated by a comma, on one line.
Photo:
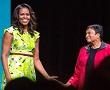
{"points": [[24, 16], [91, 35]]}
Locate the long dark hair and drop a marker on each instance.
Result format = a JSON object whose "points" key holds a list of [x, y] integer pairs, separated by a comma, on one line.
{"points": [[15, 19]]}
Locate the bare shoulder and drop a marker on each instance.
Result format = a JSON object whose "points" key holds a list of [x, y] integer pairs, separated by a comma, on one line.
{"points": [[7, 35]]}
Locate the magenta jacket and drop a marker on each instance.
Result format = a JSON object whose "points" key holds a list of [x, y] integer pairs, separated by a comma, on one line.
{"points": [[79, 75]]}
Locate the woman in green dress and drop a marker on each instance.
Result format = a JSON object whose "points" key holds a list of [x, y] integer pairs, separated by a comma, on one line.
{"points": [[20, 47]]}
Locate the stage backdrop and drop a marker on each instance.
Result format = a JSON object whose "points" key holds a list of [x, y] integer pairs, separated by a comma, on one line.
{"points": [[4, 23]]}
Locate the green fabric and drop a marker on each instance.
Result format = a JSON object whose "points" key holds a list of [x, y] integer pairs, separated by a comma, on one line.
{"points": [[20, 65]]}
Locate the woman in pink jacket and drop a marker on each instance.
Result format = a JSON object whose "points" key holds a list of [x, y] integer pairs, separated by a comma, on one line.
{"points": [[90, 56]]}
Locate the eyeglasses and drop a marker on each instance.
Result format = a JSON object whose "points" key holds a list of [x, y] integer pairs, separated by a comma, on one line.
{"points": [[90, 33]]}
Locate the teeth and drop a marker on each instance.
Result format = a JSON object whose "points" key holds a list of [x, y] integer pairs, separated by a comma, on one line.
{"points": [[25, 20]]}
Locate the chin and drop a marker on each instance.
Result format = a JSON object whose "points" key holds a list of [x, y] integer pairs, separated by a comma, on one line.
{"points": [[25, 24], [88, 41]]}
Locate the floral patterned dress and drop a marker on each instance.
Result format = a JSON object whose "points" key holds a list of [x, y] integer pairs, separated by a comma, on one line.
{"points": [[20, 65]]}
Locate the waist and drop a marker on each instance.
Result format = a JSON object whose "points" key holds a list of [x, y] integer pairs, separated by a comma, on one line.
{"points": [[29, 55]]}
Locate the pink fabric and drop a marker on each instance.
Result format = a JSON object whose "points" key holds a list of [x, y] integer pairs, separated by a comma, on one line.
{"points": [[78, 77]]}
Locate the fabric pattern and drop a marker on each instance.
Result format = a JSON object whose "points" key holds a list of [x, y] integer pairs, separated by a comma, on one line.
{"points": [[20, 65]]}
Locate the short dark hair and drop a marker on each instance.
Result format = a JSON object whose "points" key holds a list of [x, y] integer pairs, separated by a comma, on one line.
{"points": [[97, 28]]}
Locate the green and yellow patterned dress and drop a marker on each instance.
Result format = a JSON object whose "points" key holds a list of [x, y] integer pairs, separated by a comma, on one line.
{"points": [[20, 65]]}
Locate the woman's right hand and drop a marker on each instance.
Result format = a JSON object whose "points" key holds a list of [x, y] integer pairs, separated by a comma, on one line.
{"points": [[66, 85], [62, 84]]}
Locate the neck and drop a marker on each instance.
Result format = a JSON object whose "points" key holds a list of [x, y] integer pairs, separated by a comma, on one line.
{"points": [[25, 29], [96, 45]]}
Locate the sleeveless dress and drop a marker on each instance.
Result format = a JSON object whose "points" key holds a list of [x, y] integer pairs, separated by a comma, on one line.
{"points": [[19, 65]]}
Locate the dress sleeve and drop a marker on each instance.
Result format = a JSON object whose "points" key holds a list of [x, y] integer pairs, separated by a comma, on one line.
{"points": [[10, 30], [37, 35]]}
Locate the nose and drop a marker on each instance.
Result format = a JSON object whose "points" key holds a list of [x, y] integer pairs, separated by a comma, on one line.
{"points": [[86, 35], [25, 16]]}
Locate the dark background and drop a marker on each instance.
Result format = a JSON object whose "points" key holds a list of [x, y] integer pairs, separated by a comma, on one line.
{"points": [[62, 25]]}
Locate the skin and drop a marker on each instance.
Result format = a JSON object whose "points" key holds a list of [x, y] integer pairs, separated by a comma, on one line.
{"points": [[93, 38], [24, 19]]}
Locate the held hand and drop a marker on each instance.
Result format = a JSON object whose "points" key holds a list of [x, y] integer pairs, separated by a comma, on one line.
{"points": [[62, 84], [59, 82], [66, 85], [52, 77]]}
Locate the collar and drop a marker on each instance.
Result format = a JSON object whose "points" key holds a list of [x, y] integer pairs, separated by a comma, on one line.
{"points": [[103, 45]]}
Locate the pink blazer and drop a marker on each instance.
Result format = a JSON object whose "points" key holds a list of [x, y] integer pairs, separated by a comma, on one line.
{"points": [[79, 74]]}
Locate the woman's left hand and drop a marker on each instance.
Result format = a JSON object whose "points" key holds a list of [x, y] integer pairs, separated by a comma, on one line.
{"points": [[52, 77]]}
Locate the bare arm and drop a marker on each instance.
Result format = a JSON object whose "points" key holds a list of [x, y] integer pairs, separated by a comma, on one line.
{"points": [[67, 84], [38, 63], [6, 42]]}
